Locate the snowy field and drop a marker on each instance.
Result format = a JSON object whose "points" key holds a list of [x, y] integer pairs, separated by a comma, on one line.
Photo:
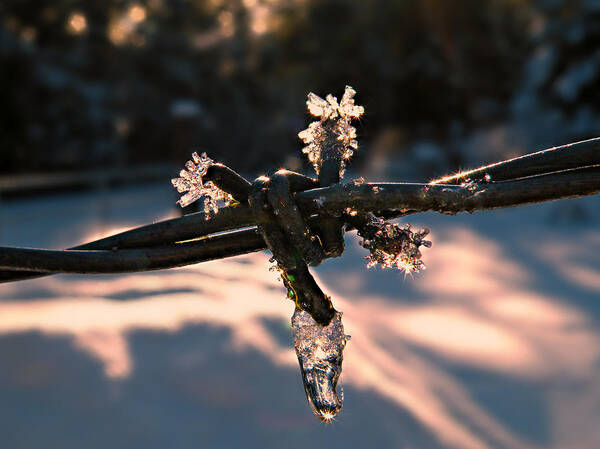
{"points": [[496, 345]]}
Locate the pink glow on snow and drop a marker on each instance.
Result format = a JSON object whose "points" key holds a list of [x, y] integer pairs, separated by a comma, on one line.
{"points": [[480, 311]]}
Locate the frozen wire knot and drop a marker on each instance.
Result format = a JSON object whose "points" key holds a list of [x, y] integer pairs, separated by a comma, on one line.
{"points": [[393, 246], [190, 181], [332, 136]]}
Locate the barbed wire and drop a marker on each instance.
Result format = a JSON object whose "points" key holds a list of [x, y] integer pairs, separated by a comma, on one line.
{"points": [[302, 221], [561, 172]]}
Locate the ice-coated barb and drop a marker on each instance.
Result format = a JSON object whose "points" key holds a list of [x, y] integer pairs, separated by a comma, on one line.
{"points": [[190, 181], [320, 354], [332, 136], [392, 245]]}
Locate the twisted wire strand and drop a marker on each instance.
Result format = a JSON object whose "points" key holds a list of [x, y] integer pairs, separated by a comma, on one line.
{"points": [[386, 200], [291, 243]]}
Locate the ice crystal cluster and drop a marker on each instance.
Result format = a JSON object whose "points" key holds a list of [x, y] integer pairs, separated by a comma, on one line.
{"points": [[332, 136], [393, 246], [190, 181], [320, 354]]}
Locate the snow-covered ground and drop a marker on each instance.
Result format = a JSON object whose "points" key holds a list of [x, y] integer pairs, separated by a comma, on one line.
{"points": [[495, 345]]}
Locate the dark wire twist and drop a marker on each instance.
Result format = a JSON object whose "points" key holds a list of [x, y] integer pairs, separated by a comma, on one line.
{"points": [[291, 242]]}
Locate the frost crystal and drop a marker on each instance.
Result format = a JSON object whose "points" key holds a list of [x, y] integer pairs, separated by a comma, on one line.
{"points": [[190, 181], [332, 136], [320, 354], [393, 246]]}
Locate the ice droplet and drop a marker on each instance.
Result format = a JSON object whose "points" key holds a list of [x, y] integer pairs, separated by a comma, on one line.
{"points": [[320, 354]]}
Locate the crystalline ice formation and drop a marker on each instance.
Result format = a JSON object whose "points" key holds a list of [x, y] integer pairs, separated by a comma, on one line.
{"points": [[190, 181], [332, 136], [393, 246], [320, 354]]}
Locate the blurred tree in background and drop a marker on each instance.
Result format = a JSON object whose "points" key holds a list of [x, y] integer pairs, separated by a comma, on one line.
{"points": [[114, 83], [570, 41]]}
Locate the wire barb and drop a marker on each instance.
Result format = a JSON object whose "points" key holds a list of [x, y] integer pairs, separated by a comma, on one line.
{"points": [[391, 245], [332, 136], [191, 181]]}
